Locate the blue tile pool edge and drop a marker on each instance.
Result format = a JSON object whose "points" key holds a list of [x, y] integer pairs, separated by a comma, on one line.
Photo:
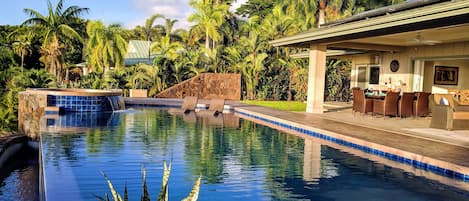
{"points": [[411, 162]]}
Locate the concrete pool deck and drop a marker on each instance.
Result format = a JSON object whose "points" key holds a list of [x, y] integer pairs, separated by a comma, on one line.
{"points": [[403, 137]]}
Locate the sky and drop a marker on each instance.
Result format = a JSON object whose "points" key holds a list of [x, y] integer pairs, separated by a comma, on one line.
{"points": [[128, 13]]}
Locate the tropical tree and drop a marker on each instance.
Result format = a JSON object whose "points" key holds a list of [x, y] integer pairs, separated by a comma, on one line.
{"points": [[146, 77], [166, 53], [254, 62], [105, 46], [58, 29], [259, 8], [22, 43], [208, 19], [149, 26], [337, 87]]}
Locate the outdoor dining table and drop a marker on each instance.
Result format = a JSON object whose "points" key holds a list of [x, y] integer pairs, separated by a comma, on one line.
{"points": [[375, 96]]}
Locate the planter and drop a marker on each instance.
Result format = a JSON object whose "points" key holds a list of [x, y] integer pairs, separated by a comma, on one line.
{"points": [[138, 93]]}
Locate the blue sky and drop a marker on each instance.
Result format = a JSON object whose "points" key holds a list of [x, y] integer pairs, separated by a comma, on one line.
{"points": [[128, 13]]}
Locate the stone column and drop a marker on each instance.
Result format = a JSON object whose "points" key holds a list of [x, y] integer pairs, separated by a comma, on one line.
{"points": [[31, 107], [316, 78]]}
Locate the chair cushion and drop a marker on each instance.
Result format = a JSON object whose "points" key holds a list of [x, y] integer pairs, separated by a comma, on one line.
{"points": [[444, 101]]}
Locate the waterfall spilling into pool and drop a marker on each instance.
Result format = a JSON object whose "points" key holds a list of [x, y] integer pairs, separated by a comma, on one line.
{"points": [[116, 102]]}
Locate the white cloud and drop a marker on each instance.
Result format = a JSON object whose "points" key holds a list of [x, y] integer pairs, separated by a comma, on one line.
{"points": [[237, 4], [174, 9]]}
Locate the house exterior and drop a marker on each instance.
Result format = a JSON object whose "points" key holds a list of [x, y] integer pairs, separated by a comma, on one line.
{"points": [[138, 51], [418, 45]]}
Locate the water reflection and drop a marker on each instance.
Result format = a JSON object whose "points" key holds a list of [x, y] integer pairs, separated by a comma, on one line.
{"points": [[19, 178], [237, 160]]}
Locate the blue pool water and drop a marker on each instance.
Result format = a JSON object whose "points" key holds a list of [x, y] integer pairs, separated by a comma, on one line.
{"points": [[237, 159], [19, 177]]}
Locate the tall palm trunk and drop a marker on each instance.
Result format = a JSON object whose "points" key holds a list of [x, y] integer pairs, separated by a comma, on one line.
{"points": [[22, 60]]}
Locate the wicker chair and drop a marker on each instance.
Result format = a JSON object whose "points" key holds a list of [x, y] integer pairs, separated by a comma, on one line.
{"points": [[421, 104], [388, 106], [406, 104], [450, 116], [360, 103], [352, 94]]}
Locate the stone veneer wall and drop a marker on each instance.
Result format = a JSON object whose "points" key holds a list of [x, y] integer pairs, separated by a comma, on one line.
{"points": [[207, 86], [31, 107]]}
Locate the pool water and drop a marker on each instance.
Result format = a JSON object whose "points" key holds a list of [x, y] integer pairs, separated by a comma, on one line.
{"points": [[19, 177], [236, 158]]}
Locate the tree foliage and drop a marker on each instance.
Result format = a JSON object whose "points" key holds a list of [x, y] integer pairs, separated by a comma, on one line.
{"points": [[58, 29]]}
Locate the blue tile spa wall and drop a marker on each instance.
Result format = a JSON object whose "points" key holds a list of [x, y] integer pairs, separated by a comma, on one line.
{"points": [[85, 120], [415, 163], [80, 103]]}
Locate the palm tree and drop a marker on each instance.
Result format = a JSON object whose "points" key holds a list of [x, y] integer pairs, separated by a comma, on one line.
{"points": [[169, 24], [57, 29], [22, 44], [149, 26], [149, 31], [253, 62], [105, 46], [208, 18], [166, 52], [146, 77], [278, 24]]}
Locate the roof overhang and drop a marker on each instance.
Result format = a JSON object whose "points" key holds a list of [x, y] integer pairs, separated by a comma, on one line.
{"points": [[445, 14], [329, 53]]}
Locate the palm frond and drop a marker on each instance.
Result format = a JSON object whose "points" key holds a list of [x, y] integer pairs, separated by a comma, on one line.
{"points": [[115, 195], [194, 194], [145, 196], [163, 196]]}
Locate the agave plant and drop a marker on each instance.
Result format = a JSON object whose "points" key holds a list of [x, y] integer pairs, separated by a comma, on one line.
{"points": [[163, 195]]}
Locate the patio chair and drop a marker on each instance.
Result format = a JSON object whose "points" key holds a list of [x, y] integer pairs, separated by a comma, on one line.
{"points": [[188, 105], [360, 103], [448, 113], [421, 104], [388, 106], [215, 108], [352, 94], [406, 104]]}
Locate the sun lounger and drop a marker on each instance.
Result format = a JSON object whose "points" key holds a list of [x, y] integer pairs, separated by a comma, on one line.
{"points": [[215, 108], [188, 105]]}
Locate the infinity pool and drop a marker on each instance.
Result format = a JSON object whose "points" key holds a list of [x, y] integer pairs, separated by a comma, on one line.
{"points": [[237, 159]]}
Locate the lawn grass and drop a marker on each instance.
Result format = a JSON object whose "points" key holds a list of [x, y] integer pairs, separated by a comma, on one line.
{"points": [[280, 105]]}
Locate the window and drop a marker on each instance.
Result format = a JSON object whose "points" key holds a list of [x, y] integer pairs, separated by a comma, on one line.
{"points": [[374, 75]]}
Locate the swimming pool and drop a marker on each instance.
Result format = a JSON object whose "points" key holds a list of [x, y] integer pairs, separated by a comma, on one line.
{"points": [[236, 158]]}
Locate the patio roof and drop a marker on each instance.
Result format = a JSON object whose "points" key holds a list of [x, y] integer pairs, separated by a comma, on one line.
{"points": [[400, 23]]}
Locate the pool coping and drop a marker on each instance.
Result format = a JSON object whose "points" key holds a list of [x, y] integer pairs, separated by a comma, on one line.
{"points": [[73, 92]]}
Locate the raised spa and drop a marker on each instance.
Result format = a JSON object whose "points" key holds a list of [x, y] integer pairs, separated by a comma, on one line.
{"points": [[82, 100]]}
